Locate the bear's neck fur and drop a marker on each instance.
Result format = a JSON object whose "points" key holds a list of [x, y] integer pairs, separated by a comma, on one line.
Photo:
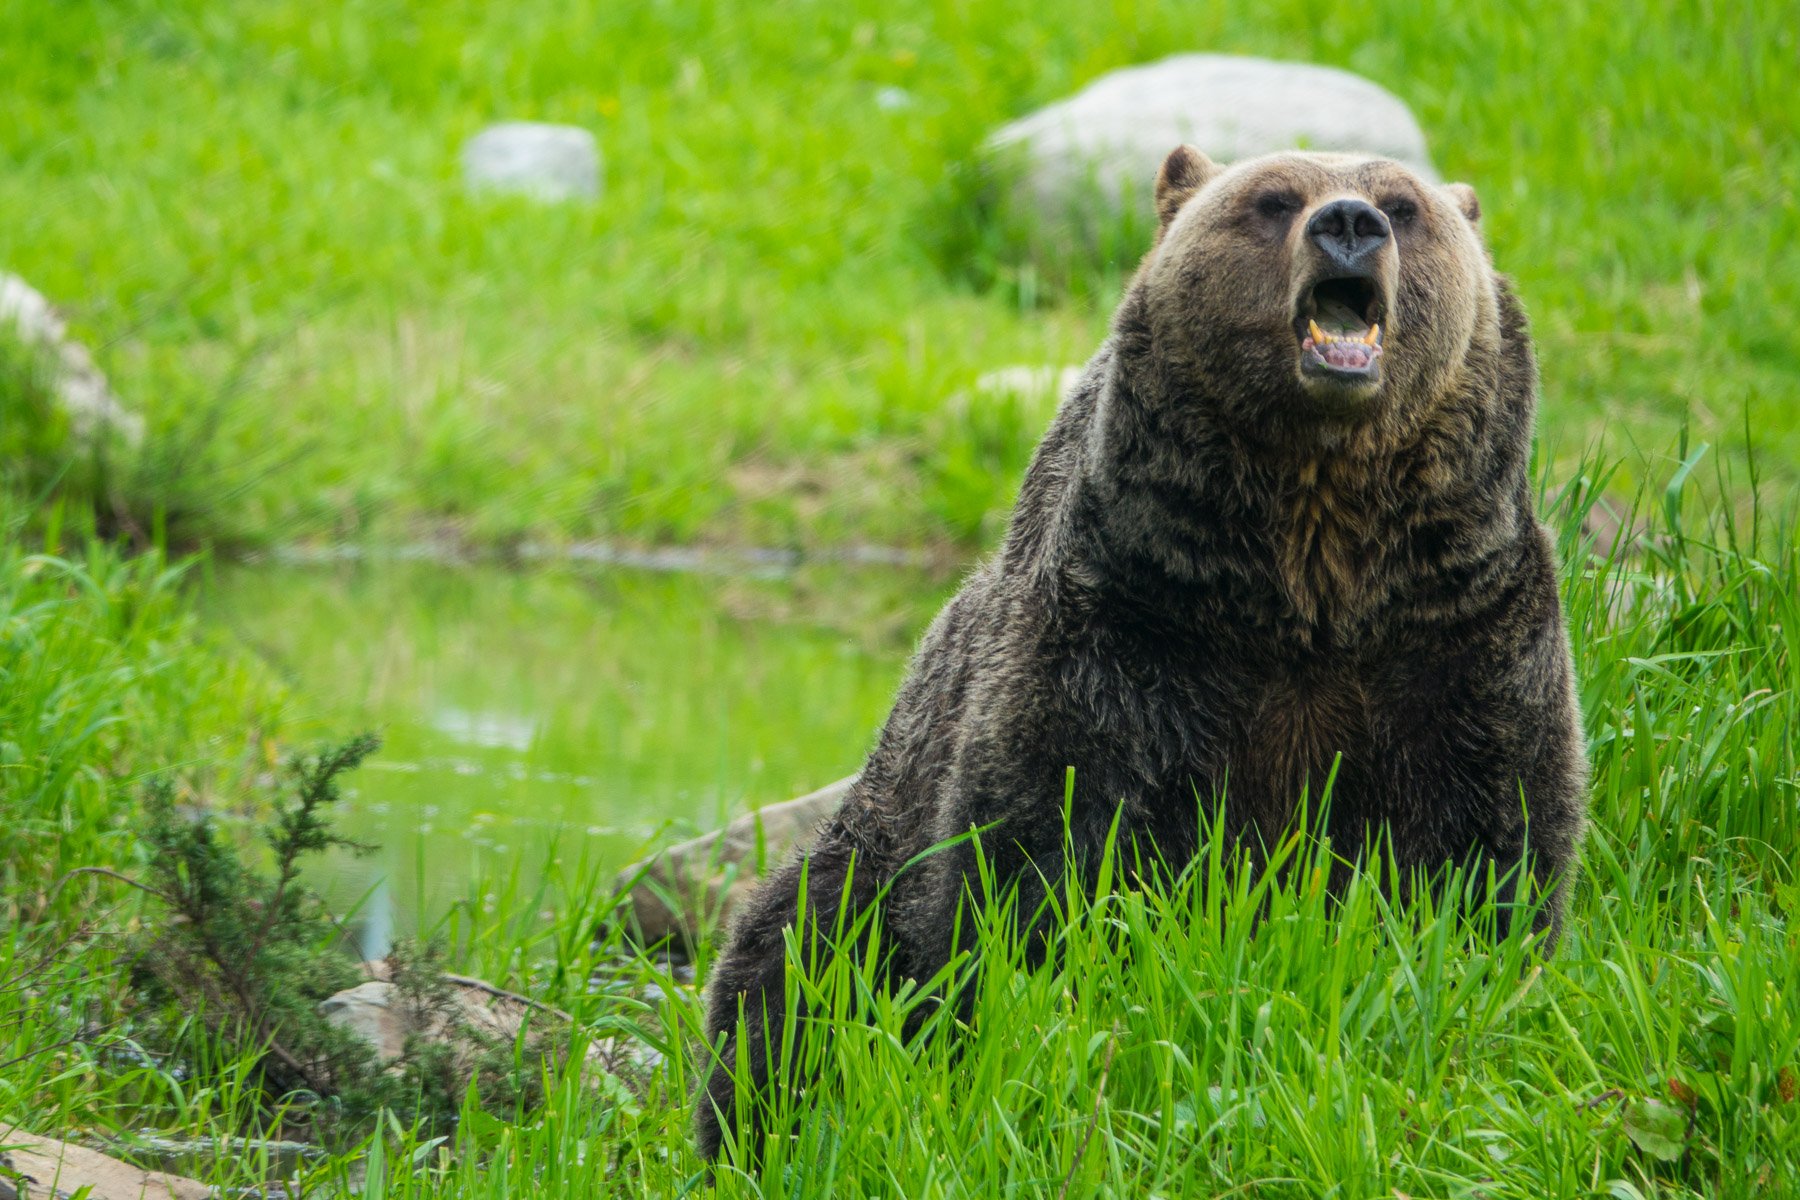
{"points": [[1183, 520]]}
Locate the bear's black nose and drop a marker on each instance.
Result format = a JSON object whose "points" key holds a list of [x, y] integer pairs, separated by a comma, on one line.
{"points": [[1350, 232]]}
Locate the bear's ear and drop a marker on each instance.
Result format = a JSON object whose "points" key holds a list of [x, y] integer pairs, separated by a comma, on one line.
{"points": [[1183, 173], [1463, 196]]}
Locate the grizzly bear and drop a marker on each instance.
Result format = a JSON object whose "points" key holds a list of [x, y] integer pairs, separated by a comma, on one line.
{"points": [[1281, 527]]}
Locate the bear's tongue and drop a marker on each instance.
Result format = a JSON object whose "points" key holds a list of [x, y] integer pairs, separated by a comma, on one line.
{"points": [[1339, 319], [1340, 339]]}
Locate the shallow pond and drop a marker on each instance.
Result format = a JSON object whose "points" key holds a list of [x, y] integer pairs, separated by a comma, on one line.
{"points": [[579, 713]]}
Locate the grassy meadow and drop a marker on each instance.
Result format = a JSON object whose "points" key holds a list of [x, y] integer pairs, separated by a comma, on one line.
{"points": [[253, 213]]}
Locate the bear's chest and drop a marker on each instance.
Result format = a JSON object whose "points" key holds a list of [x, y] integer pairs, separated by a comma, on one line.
{"points": [[1261, 736], [1296, 732]]}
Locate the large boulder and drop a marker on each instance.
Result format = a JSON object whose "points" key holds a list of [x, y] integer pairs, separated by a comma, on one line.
{"points": [[531, 158], [697, 883], [28, 317], [1102, 146], [42, 1168]]}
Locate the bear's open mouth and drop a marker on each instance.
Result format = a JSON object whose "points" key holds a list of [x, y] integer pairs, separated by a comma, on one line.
{"points": [[1339, 327]]}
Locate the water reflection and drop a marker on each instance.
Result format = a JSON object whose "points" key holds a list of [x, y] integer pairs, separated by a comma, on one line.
{"points": [[492, 729], [567, 712]]}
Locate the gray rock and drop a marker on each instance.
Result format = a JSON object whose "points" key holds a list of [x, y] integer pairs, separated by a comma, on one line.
{"points": [[373, 1011], [699, 882], [1104, 143], [1040, 387], [548, 162], [43, 1168], [893, 99], [1035, 389], [79, 386], [476, 1015]]}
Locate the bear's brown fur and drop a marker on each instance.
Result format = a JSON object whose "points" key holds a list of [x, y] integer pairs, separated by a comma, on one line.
{"points": [[1262, 537]]}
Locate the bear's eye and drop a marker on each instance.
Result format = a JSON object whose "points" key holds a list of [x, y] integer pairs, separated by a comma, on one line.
{"points": [[1276, 205], [1400, 210]]}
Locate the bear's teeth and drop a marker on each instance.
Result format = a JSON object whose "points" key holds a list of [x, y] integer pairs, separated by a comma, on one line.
{"points": [[1321, 338]]}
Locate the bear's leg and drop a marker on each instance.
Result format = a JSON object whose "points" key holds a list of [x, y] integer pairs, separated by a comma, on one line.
{"points": [[1025, 854], [1525, 878], [747, 1000]]}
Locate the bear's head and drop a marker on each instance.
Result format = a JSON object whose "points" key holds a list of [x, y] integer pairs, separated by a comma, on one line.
{"points": [[1301, 296]]}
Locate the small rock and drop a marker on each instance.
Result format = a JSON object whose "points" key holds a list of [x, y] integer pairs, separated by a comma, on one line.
{"points": [[478, 1015], [55, 1170], [80, 386], [700, 881], [373, 1012], [1106, 142], [1040, 386], [1034, 391], [531, 158]]}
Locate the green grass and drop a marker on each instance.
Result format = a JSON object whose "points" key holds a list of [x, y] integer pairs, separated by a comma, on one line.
{"points": [[106, 677], [253, 213], [754, 333], [1220, 1036]]}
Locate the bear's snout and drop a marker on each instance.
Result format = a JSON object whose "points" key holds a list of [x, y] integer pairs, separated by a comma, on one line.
{"points": [[1351, 232]]}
